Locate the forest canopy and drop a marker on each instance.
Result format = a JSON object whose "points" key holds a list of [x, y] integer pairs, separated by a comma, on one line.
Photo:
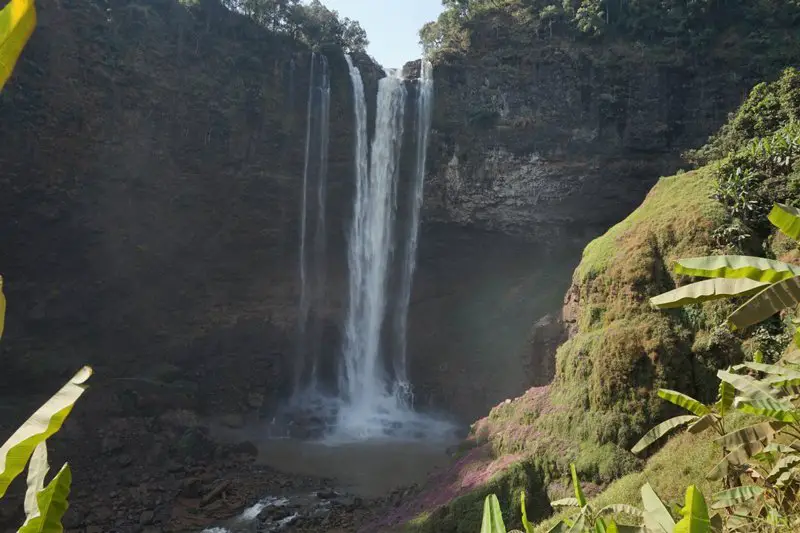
{"points": [[310, 22], [684, 22]]}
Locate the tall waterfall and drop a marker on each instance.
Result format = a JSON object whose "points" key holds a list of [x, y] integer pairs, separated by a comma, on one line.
{"points": [[422, 123], [364, 380], [374, 394], [312, 267]]}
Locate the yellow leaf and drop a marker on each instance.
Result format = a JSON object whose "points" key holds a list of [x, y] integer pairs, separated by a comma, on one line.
{"points": [[17, 20]]}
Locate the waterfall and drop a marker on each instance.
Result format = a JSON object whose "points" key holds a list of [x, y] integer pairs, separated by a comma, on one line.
{"points": [[373, 399], [312, 209], [422, 123], [364, 381]]}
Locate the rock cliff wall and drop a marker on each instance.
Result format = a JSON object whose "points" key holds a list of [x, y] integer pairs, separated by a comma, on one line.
{"points": [[562, 137], [152, 159]]}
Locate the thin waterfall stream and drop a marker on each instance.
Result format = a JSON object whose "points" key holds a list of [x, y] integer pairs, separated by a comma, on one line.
{"points": [[424, 112], [312, 264]]}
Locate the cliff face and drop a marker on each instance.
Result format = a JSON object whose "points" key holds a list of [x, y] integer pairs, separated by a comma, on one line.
{"points": [[565, 137], [152, 161]]}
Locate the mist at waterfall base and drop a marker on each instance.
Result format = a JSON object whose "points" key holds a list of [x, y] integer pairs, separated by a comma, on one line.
{"points": [[371, 398]]}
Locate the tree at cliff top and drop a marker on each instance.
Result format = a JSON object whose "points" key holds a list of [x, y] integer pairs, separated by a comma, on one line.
{"points": [[311, 22], [672, 24]]}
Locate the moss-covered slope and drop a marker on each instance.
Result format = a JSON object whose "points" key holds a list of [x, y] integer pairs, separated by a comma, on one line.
{"points": [[620, 350]]}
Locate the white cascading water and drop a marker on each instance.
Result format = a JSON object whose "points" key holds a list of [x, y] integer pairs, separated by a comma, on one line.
{"points": [[364, 381], [315, 175], [374, 403], [424, 113]]}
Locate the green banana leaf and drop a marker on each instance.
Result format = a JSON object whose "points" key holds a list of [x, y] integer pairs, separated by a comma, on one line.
{"points": [[725, 396], [704, 291], [764, 432], [737, 456], [661, 430], [787, 219], [777, 370], [748, 386], [566, 502], [735, 496], [492, 516], [703, 423], [695, 513], [52, 501], [576, 484], [579, 525], [684, 401], [656, 516], [613, 527], [525, 523], [766, 303], [736, 267], [780, 410], [16, 451], [560, 527], [784, 470], [621, 508]]}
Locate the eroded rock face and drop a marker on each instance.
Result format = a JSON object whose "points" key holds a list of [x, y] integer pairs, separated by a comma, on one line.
{"points": [[563, 138]]}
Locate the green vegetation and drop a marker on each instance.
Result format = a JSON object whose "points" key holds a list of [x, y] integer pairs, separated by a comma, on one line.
{"points": [[766, 454], [756, 415], [45, 505], [623, 350], [310, 22], [676, 27]]}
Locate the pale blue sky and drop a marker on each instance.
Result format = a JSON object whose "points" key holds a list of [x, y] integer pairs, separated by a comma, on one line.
{"points": [[392, 25]]}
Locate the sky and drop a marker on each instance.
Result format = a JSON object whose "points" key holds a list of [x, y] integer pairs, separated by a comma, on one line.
{"points": [[392, 25]]}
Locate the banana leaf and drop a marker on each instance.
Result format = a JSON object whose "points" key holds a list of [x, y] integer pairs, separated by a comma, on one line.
{"points": [[560, 527], [621, 508], [704, 291], [37, 470], [766, 303], [763, 432], [780, 410], [784, 470], [660, 430], [492, 516], [703, 423], [787, 219], [656, 515], [695, 513], [566, 502], [576, 484], [748, 386], [737, 456], [17, 21], [16, 451], [525, 523], [579, 524], [52, 501], [682, 400], [725, 396], [736, 267], [735, 496]]}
